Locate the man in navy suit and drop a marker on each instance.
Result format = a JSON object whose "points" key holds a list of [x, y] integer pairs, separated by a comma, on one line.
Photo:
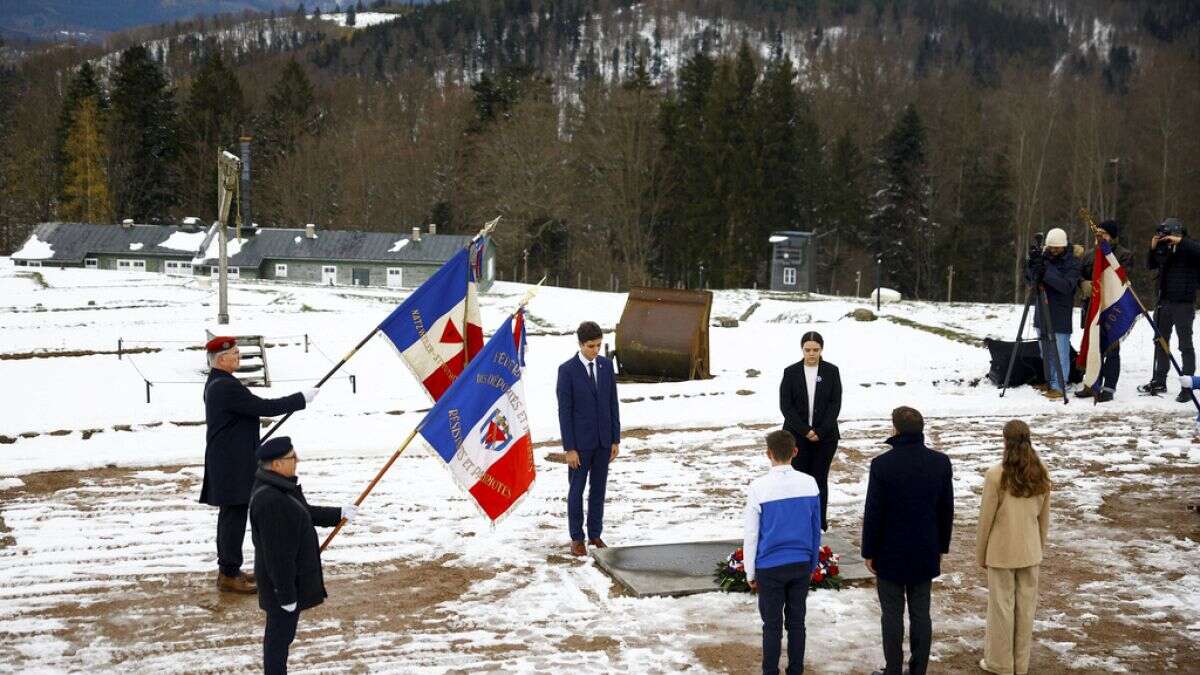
{"points": [[591, 431], [906, 528]]}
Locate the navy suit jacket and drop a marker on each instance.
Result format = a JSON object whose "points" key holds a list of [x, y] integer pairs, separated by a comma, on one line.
{"points": [[909, 511], [588, 416]]}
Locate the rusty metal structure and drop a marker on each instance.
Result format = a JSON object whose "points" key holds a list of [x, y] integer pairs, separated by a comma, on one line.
{"points": [[663, 335]]}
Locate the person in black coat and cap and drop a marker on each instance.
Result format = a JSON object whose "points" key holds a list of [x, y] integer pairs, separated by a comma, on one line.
{"points": [[1177, 259], [810, 398], [907, 521], [287, 558], [232, 415]]}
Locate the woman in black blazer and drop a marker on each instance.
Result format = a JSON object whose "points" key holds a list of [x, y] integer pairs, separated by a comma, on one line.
{"points": [[814, 425]]}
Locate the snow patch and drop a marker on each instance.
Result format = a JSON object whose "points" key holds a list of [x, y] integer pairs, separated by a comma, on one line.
{"points": [[10, 483], [361, 20], [184, 241], [401, 243], [35, 249], [136, 246]]}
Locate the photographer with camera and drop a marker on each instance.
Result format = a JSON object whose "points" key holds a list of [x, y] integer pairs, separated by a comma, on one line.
{"points": [[1055, 269], [1177, 259], [1110, 231]]}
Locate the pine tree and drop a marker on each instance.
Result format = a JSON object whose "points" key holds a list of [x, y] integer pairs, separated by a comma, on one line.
{"points": [[85, 189], [83, 85], [904, 231], [351, 16], [291, 114], [213, 116], [777, 118], [144, 139], [843, 211], [984, 225]]}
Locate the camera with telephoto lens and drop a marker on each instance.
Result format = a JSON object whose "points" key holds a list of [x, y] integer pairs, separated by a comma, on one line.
{"points": [[1168, 228]]}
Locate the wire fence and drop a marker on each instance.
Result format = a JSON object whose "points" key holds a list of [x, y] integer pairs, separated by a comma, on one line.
{"points": [[126, 355]]}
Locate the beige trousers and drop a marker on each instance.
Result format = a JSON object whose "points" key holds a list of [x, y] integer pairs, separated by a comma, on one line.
{"points": [[1012, 599]]}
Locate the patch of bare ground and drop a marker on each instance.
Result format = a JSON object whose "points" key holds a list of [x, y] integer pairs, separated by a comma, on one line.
{"points": [[730, 657], [162, 614]]}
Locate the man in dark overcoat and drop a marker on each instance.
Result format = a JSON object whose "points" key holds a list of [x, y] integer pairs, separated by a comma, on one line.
{"points": [[232, 414], [287, 557], [907, 521]]}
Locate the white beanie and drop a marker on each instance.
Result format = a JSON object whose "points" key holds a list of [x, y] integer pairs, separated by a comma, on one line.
{"points": [[1056, 237]]}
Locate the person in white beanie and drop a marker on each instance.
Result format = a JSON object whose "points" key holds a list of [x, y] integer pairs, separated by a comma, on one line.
{"points": [[1057, 272]]}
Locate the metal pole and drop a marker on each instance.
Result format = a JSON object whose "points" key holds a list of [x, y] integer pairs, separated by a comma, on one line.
{"points": [[353, 384], [525, 266], [119, 341], [878, 279], [306, 343], [950, 285], [858, 284], [148, 385]]}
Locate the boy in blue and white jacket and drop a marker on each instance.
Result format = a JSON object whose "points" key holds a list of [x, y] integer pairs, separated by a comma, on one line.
{"points": [[783, 536]]}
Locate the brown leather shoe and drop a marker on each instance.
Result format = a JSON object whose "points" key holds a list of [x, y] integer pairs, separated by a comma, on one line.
{"points": [[243, 583], [577, 548], [597, 543]]}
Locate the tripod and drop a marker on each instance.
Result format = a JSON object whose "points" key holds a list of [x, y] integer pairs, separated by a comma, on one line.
{"points": [[1037, 291]]}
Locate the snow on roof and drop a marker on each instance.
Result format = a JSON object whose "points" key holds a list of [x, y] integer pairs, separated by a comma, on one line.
{"points": [[191, 220], [777, 239], [400, 243], [35, 249], [184, 241], [136, 246], [232, 248]]}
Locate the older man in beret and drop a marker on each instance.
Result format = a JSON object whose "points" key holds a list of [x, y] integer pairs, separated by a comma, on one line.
{"points": [[287, 558], [233, 414]]}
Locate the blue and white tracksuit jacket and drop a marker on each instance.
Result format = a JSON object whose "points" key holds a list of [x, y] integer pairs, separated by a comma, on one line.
{"points": [[783, 520]]}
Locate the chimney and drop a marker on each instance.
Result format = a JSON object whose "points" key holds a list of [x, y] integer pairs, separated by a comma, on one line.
{"points": [[244, 197], [433, 228], [416, 233], [310, 231]]}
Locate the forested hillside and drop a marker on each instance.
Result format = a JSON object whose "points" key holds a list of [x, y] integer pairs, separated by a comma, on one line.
{"points": [[631, 142]]}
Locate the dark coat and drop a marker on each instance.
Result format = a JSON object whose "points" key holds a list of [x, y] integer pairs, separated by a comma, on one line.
{"points": [[232, 414], [287, 557], [909, 511], [1178, 272], [1124, 256], [1060, 281], [588, 416], [793, 401]]}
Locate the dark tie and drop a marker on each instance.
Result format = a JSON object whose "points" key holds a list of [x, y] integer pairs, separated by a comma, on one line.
{"points": [[592, 372]]}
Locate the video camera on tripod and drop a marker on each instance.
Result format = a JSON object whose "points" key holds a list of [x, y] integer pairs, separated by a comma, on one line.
{"points": [[1035, 261]]}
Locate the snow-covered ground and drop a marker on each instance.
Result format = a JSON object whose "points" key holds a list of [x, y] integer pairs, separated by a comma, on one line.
{"points": [[109, 564]]}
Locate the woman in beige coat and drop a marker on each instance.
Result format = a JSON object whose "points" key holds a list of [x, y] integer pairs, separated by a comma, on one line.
{"points": [[1014, 517]]}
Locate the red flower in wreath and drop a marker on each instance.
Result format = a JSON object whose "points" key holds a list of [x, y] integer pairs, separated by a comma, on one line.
{"points": [[737, 555], [818, 576]]}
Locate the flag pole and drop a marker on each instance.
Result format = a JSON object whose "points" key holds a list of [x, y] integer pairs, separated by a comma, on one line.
{"points": [[374, 481], [325, 379], [1158, 338], [487, 228]]}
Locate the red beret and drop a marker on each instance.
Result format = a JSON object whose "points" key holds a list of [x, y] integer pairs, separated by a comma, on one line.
{"points": [[220, 344]]}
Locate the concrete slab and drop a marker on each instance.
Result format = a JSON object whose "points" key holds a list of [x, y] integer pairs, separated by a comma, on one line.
{"points": [[687, 568]]}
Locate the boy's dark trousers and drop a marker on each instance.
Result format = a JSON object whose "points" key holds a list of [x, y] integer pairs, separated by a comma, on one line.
{"points": [[892, 598], [281, 630], [593, 469], [782, 601]]}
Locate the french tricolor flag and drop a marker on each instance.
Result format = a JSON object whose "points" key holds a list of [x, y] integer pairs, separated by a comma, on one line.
{"points": [[437, 330], [1111, 315], [480, 427]]}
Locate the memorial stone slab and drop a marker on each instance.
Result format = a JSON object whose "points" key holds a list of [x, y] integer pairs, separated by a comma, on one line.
{"points": [[687, 568]]}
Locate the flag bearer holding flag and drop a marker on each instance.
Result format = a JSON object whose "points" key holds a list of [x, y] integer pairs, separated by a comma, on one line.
{"points": [[1093, 270]]}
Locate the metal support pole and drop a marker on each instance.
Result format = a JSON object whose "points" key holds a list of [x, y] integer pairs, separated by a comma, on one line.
{"points": [[306, 343], [148, 385], [119, 341], [858, 284], [353, 384], [950, 285], [878, 279]]}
